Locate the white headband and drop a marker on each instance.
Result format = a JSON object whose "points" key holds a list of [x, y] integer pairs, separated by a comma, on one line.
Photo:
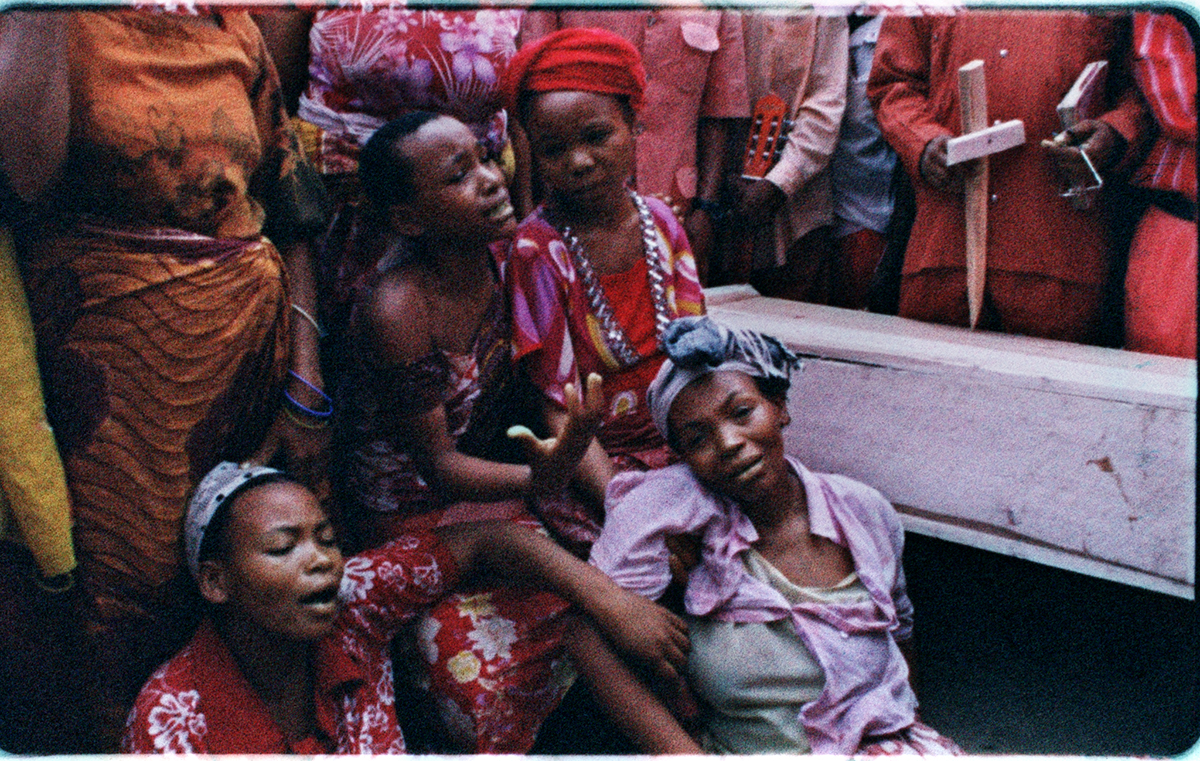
{"points": [[214, 490]]}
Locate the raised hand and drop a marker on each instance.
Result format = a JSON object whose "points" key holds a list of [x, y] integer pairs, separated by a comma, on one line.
{"points": [[553, 460]]}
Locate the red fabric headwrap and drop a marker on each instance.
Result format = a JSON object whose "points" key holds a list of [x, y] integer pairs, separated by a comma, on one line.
{"points": [[590, 60]]}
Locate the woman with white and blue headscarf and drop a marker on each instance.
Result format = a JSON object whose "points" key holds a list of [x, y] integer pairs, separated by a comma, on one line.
{"points": [[800, 568]]}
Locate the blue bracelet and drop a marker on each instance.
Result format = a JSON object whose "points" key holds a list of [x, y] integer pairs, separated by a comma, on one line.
{"points": [[308, 410]]}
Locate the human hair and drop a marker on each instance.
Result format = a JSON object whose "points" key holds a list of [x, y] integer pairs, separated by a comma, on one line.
{"points": [[214, 543], [384, 171]]}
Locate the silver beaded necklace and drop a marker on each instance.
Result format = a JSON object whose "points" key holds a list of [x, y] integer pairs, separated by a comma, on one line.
{"points": [[614, 335]]}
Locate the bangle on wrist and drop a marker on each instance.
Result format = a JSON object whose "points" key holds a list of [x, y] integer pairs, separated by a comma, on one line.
{"points": [[308, 316], [302, 408], [320, 424]]}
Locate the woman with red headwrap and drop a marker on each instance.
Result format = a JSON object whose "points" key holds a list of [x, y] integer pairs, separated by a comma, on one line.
{"points": [[597, 271]]}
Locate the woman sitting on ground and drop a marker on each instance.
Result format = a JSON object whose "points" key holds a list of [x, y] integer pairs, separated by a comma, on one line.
{"points": [[425, 404], [294, 657], [800, 568]]}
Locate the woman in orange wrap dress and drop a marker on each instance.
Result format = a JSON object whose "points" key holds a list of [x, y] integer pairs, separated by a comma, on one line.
{"points": [[170, 327]]}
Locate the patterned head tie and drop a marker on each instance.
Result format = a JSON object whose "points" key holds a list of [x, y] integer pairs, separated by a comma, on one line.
{"points": [[215, 489], [697, 346]]}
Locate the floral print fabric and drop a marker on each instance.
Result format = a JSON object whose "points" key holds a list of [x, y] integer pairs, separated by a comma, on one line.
{"points": [[369, 66], [199, 701], [496, 665]]}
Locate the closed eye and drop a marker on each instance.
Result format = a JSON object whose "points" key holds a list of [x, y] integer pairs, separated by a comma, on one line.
{"points": [[551, 151], [597, 136]]}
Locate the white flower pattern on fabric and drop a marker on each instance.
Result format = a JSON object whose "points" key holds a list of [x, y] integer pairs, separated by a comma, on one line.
{"points": [[427, 577], [427, 632], [373, 718], [468, 45], [346, 727], [494, 637], [175, 720], [357, 580], [385, 686]]}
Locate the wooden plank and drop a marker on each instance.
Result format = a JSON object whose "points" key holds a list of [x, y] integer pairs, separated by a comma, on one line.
{"points": [[1074, 456], [985, 142], [874, 339], [972, 101]]}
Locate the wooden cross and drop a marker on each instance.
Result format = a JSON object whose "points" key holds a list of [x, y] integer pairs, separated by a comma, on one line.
{"points": [[977, 142]]}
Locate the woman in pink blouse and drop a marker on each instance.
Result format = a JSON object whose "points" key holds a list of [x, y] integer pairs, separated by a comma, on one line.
{"points": [[801, 568]]}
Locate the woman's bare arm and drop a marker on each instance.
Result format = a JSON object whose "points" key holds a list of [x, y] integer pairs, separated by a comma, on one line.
{"points": [[637, 626], [285, 31], [629, 703], [402, 335]]}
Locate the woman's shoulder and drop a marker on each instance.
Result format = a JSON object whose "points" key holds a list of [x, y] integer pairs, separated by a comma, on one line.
{"points": [[849, 500], [663, 215], [534, 232], [395, 314], [538, 246], [671, 494], [170, 704]]}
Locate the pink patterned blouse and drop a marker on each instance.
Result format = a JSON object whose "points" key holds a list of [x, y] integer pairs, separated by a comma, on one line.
{"points": [[557, 333]]}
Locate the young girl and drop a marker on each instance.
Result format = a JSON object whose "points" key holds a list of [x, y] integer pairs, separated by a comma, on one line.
{"points": [[294, 657], [598, 271], [800, 568], [423, 408]]}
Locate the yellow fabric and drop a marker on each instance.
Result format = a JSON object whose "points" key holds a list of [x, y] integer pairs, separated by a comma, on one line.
{"points": [[34, 506], [309, 136]]}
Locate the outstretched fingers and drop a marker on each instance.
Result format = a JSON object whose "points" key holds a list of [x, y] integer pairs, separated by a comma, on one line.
{"points": [[553, 460]]}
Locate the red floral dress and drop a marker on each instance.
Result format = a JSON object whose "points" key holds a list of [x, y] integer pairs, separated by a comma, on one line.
{"points": [[200, 702], [493, 654]]}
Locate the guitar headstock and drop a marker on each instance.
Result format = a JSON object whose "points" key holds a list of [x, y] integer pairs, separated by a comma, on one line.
{"points": [[769, 126]]}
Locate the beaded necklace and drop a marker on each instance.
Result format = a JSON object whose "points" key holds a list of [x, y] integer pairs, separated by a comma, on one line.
{"points": [[614, 335]]}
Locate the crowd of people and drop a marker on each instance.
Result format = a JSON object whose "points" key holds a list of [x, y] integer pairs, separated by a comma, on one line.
{"points": [[360, 397]]}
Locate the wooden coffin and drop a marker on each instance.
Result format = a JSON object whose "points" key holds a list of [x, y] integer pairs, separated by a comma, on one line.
{"points": [[1073, 456]]}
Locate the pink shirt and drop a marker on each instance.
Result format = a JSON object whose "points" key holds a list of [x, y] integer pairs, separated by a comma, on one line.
{"points": [[866, 677], [199, 701]]}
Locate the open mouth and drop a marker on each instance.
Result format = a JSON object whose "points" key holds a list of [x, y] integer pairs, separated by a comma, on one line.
{"points": [[500, 211], [321, 597], [749, 472]]}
